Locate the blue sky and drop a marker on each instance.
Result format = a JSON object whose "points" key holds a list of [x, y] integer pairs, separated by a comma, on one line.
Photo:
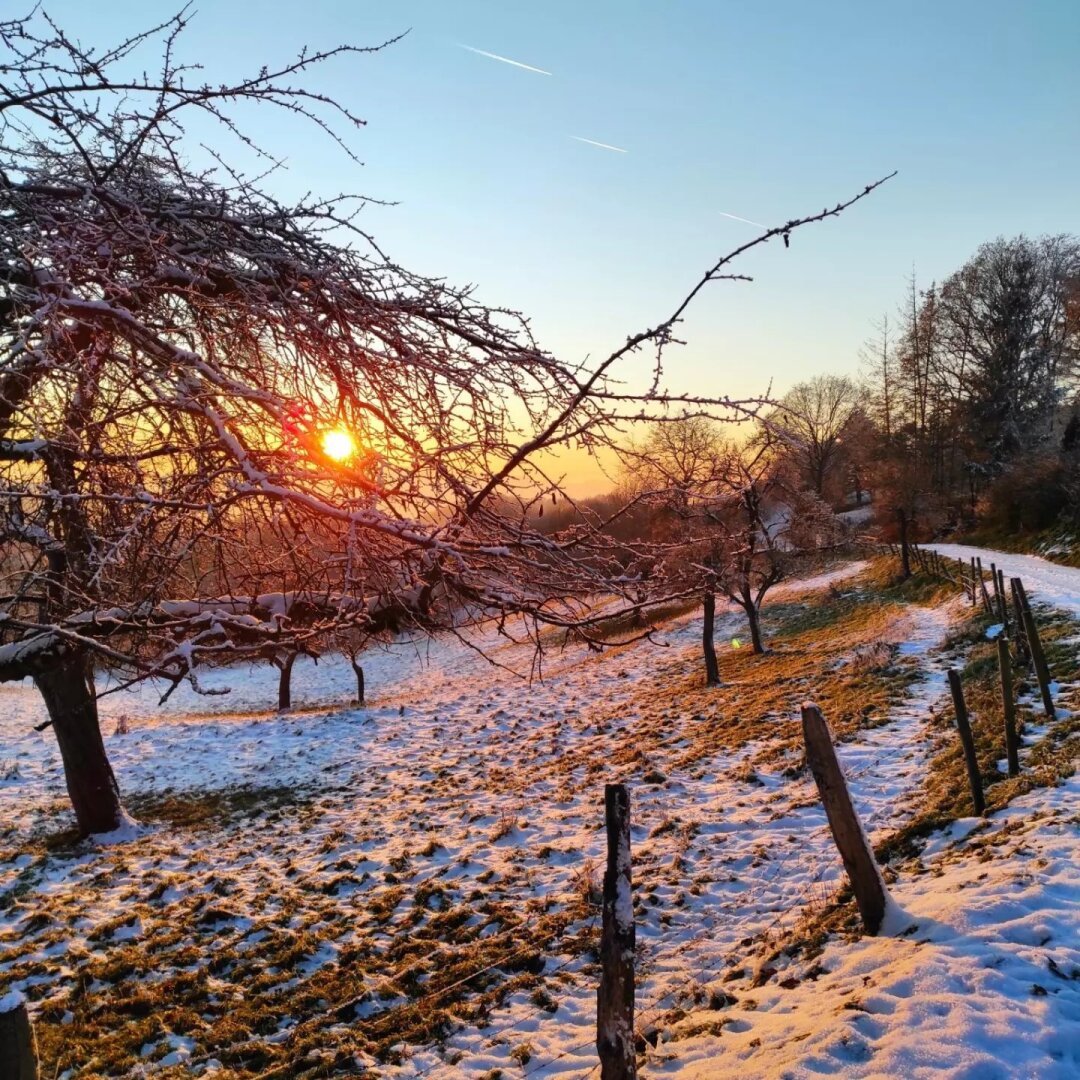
{"points": [[765, 110]]}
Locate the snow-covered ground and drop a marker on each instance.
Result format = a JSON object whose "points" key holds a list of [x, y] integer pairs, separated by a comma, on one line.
{"points": [[462, 789], [859, 516], [983, 986]]}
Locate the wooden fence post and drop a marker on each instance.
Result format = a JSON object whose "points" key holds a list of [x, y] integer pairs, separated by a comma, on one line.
{"points": [[987, 606], [615, 996], [1023, 650], [971, 761], [1003, 607], [974, 586], [862, 869], [1012, 742], [1038, 657], [18, 1049]]}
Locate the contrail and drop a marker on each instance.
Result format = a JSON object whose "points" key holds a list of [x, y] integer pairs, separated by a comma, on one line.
{"points": [[746, 221], [505, 60], [602, 145]]}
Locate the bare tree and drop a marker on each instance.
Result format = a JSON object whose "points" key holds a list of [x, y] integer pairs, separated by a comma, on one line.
{"points": [[177, 348], [811, 421], [752, 517], [879, 363], [727, 520], [1005, 313], [677, 471]]}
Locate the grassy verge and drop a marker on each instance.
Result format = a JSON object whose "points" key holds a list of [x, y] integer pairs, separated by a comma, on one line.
{"points": [[838, 646], [1053, 757]]}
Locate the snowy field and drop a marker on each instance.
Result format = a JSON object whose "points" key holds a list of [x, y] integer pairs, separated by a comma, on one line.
{"points": [[455, 825]]}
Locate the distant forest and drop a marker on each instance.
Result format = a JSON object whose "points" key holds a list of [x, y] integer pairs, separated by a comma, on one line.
{"points": [[965, 415]]}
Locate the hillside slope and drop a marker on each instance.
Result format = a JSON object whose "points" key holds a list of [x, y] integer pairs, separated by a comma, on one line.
{"points": [[410, 889]]}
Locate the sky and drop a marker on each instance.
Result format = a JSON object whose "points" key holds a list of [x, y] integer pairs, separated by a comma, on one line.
{"points": [[764, 111]]}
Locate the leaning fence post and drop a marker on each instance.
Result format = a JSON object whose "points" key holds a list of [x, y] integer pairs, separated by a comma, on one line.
{"points": [[862, 869], [615, 996], [1012, 742], [974, 587], [18, 1049], [968, 742], [1003, 607], [1023, 650], [1038, 657], [987, 606]]}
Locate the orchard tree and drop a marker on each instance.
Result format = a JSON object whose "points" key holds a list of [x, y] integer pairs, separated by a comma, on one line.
{"points": [[677, 471], [751, 512], [231, 427], [727, 520]]}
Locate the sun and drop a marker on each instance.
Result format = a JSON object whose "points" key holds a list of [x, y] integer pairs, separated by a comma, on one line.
{"points": [[338, 444]]}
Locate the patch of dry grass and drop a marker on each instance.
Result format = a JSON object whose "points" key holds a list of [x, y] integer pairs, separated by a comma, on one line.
{"points": [[946, 791], [836, 650]]}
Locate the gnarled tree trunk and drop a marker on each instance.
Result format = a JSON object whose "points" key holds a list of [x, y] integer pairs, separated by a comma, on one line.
{"points": [[72, 707], [284, 693], [712, 668], [753, 617], [359, 672]]}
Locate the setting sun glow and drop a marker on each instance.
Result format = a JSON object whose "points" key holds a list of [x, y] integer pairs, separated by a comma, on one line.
{"points": [[338, 444]]}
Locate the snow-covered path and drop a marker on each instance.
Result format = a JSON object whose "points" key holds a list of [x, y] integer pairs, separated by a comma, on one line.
{"points": [[1043, 580]]}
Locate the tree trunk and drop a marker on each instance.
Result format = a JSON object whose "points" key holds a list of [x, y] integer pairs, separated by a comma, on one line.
{"points": [[359, 672], [753, 617], [905, 552], [284, 692], [72, 707], [18, 1049], [712, 668]]}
